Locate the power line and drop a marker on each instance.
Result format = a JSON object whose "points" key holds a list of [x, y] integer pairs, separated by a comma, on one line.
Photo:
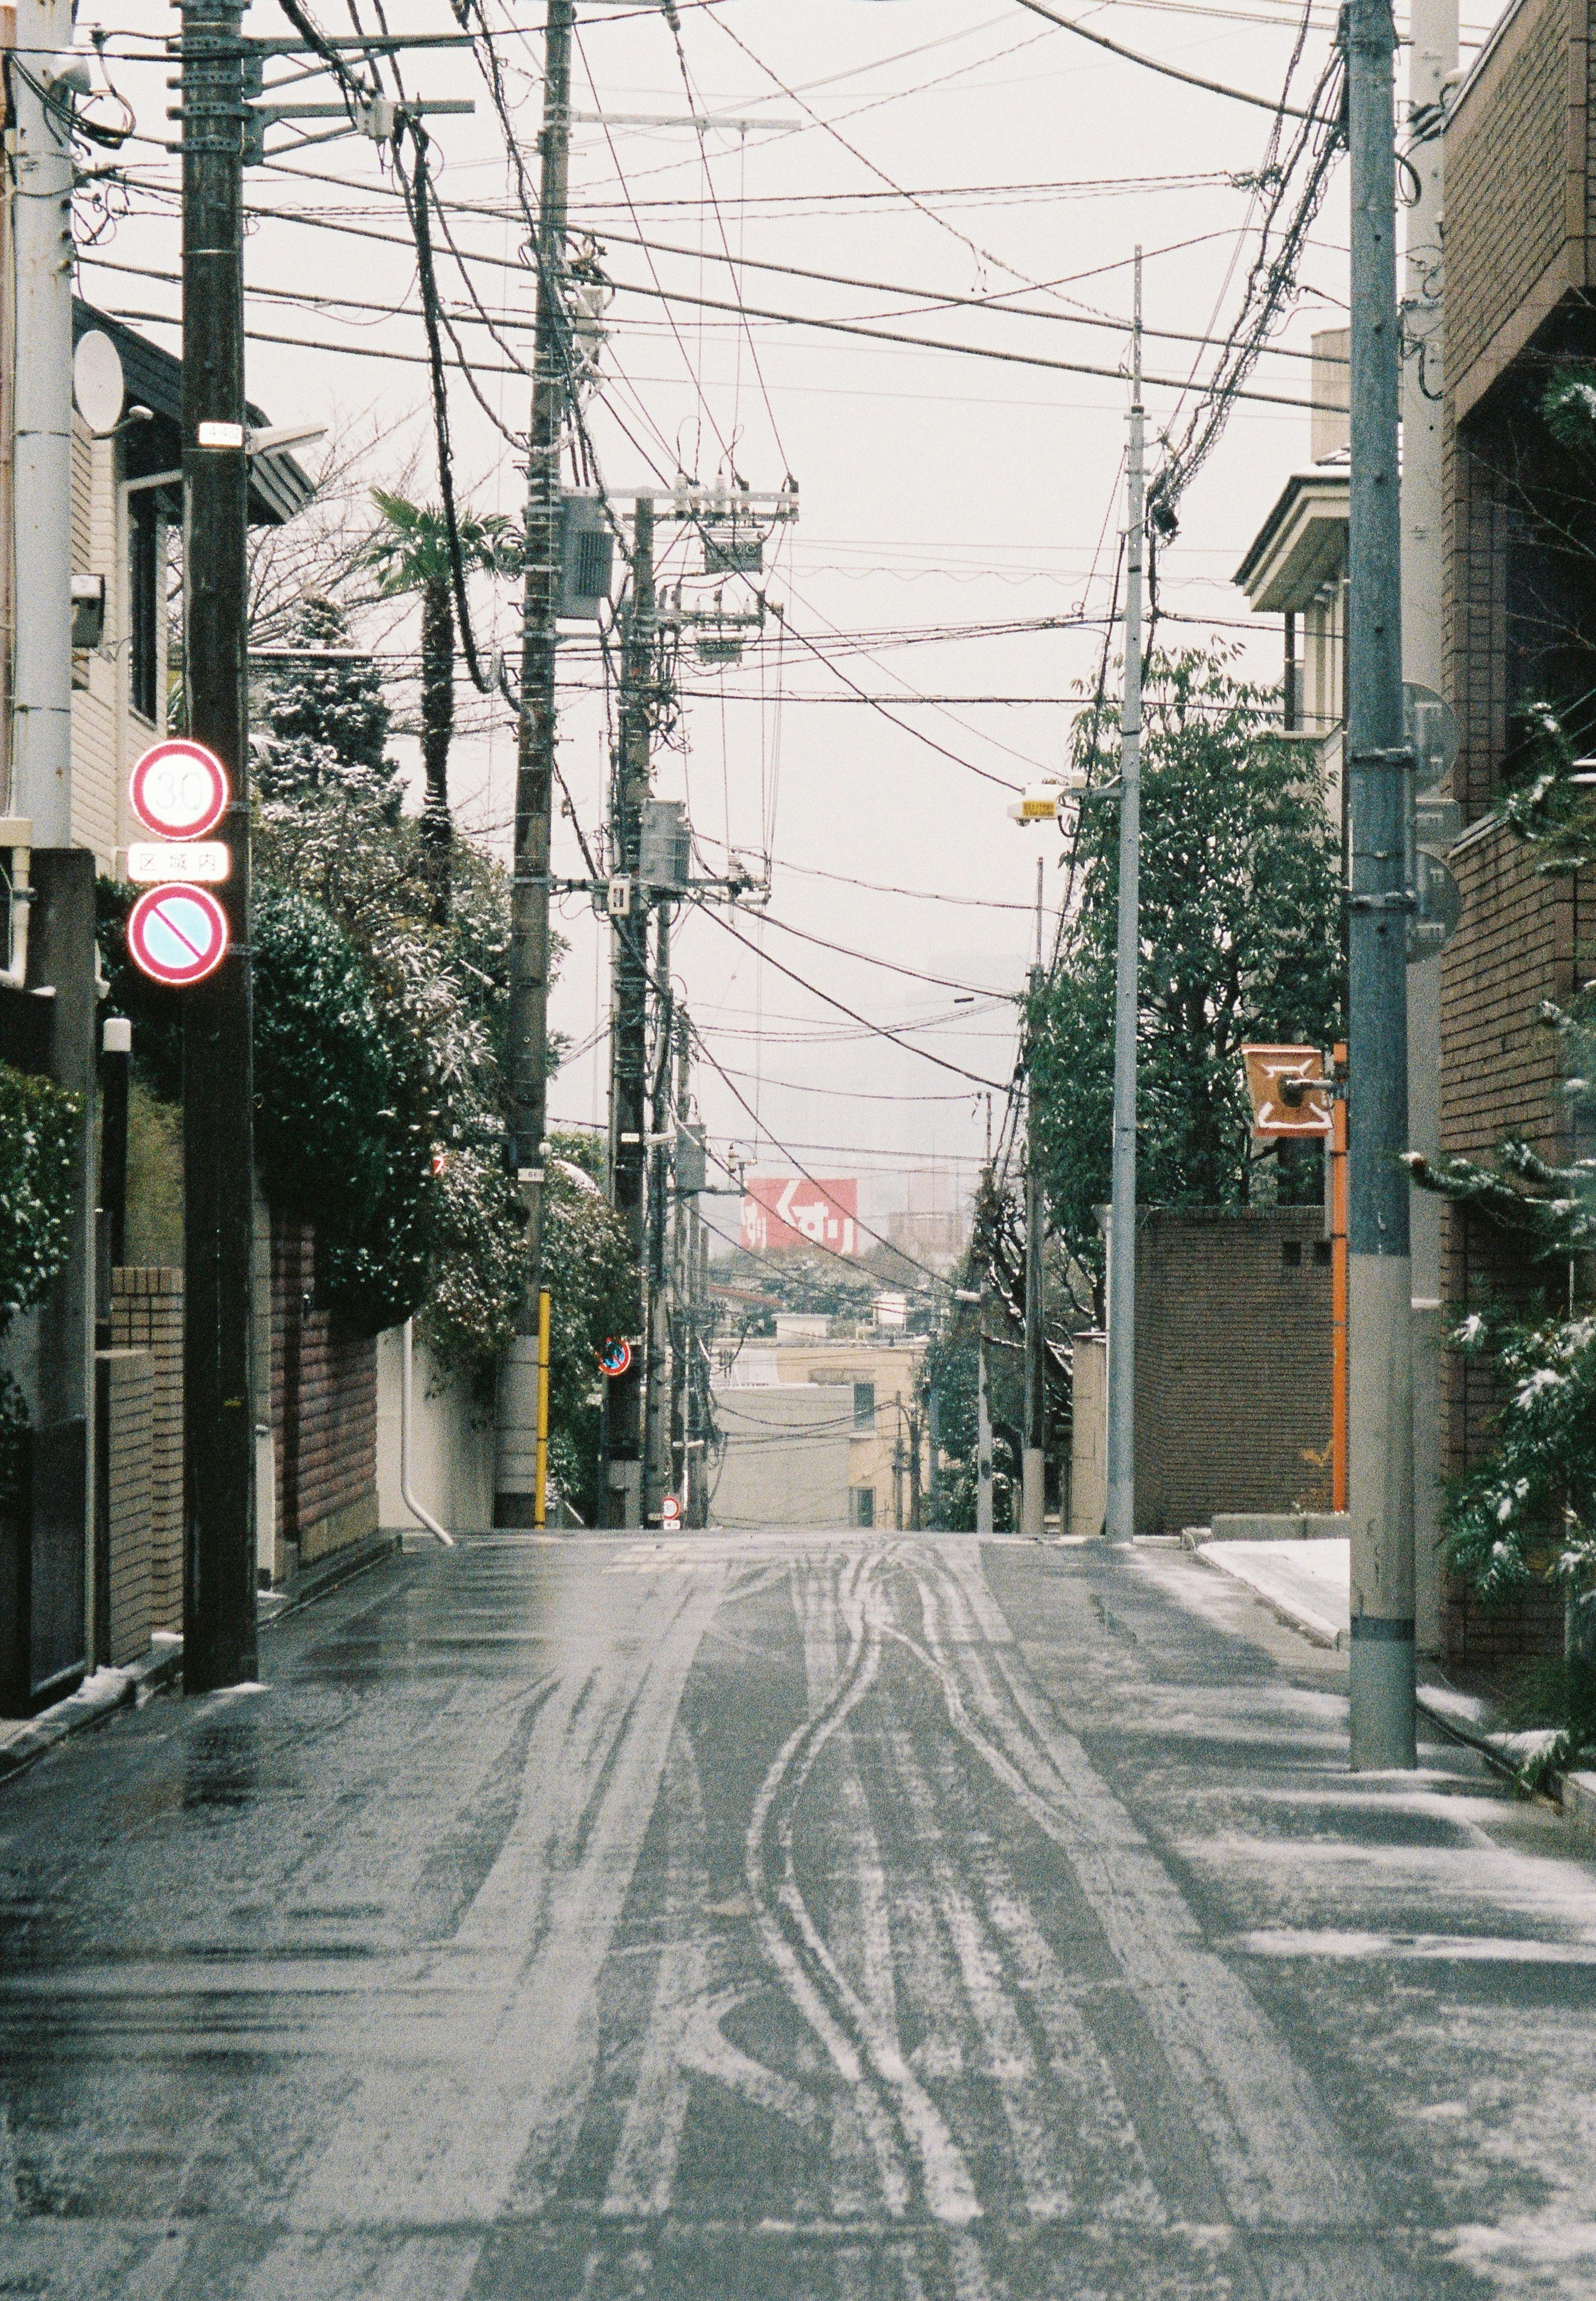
{"points": [[877, 1030], [1170, 71]]}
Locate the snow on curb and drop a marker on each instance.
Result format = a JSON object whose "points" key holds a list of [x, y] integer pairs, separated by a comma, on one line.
{"points": [[1305, 1583], [22, 1743]]}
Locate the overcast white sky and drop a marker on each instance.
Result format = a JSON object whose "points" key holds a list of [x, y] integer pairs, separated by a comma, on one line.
{"points": [[937, 491]]}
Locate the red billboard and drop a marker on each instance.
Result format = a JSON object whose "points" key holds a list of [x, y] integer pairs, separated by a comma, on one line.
{"points": [[785, 1211]]}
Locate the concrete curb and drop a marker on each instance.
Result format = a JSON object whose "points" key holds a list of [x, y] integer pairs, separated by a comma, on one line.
{"points": [[22, 1743], [1579, 1808]]}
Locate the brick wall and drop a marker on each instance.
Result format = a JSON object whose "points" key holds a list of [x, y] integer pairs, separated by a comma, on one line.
{"points": [[130, 1381], [146, 1314], [1523, 937], [324, 1408], [1517, 172], [1477, 528], [1233, 1363]]}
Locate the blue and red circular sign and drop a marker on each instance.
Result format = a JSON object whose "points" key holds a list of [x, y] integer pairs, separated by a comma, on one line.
{"points": [[615, 1357], [179, 790], [177, 934]]}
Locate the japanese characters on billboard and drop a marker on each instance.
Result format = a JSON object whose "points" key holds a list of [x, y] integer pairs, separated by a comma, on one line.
{"points": [[782, 1211]]}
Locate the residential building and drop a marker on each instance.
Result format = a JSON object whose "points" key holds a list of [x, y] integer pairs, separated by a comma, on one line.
{"points": [[1518, 627], [818, 1433]]}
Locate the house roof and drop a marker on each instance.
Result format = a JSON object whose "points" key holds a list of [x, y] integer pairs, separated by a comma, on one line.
{"points": [[1301, 546], [278, 487]]}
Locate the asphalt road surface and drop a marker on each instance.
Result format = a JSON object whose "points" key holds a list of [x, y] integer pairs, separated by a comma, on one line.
{"points": [[787, 1919]]}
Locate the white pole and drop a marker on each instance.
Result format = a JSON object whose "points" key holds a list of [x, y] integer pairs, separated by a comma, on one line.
{"points": [[1122, 1234], [42, 485]]}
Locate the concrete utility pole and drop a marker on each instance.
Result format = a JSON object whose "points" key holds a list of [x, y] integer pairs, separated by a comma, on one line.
{"points": [[984, 1435], [219, 1603], [1120, 1518], [1435, 54], [1379, 1287], [656, 1375], [53, 1347], [629, 1103], [680, 1319], [514, 1476], [1033, 1448], [42, 482]]}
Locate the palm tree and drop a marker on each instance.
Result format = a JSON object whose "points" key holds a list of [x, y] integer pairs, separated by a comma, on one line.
{"points": [[410, 552]]}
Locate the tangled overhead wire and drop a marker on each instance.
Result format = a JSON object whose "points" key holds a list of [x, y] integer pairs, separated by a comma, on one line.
{"points": [[1271, 279]]}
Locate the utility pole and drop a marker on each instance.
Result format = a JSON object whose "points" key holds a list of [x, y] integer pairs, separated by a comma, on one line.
{"points": [[527, 1068], [629, 1037], [1121, 1514], [658, 1299], [1033, 1492], [984, 1433], [1433, 55], [1380, 1681], [680, 1322], [219, 1601], [56, 1600]]}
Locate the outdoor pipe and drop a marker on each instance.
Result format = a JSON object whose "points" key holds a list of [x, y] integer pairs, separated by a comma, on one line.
{"points": [[409, 1500]]}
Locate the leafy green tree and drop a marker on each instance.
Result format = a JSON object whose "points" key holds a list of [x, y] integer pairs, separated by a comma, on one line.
{"points": [[38, 1146], [411, 553], [1241, 940]]}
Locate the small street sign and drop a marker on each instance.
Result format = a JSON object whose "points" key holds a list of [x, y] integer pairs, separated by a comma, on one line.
{"points": [[1286, 1105], [206, 861], [179, 790], [177, 934], [615, 1358], [670, 1514]]}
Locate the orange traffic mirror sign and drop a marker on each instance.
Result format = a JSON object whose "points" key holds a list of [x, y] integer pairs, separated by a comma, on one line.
{"points": [[1291, 1095]]}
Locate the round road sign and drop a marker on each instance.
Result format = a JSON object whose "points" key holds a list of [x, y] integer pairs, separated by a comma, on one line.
{"points": [[670, 1513], [615, 1357], [179, 790], [177, 934]]}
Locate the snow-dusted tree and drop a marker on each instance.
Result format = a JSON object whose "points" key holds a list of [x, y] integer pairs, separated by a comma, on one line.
{"points": [[1240, 940], [321, 726]]}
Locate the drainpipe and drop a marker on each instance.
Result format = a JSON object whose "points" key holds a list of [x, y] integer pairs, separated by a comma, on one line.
{"points": [[409, 1500]]}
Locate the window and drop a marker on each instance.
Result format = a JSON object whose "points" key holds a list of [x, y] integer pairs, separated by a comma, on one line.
{"points": [[864, 1408], [861, 1503], [1322, 1256], [144, 602], [1290, 1253]]}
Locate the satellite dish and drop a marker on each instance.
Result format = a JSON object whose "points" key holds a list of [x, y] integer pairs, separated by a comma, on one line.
{"points": [[97, 384]]}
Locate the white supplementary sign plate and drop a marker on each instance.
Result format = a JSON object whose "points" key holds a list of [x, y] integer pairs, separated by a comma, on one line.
{"points": [[203, 862]]}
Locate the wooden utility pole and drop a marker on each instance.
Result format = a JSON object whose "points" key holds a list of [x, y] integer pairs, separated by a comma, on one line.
{"points": [[629, 1100], [527, 1065], [219, 1596]]}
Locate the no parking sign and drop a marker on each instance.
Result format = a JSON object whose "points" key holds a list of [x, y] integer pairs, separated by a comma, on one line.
{"points": [[177, 934]]}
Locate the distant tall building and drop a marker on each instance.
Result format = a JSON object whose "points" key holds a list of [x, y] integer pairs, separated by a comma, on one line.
{"points": [[935, 1227]]}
